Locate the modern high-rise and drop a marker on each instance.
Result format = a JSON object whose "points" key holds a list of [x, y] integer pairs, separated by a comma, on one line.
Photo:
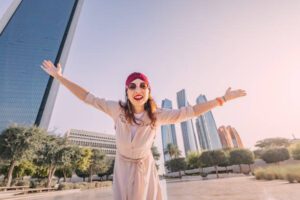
{"points": [[188, 135], [168, 132], [31, 31], [230, 137], [207, 129]]}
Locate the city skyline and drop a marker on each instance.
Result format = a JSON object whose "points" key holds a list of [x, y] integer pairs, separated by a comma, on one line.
{"points": [[201, 46]]}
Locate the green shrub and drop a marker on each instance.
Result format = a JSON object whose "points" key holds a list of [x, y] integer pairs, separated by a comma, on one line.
{"points": [[65, 186], [22, 183], [295, 151]]}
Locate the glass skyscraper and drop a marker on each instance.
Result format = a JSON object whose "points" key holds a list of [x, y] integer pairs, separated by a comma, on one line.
{"points": [[168, 132], [188, 135], [31, 31], [206, 129]]}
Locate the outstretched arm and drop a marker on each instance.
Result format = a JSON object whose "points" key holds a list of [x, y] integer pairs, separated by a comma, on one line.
{"points": [[109, 107], [207, 106], [172, 116], [56, 73]]}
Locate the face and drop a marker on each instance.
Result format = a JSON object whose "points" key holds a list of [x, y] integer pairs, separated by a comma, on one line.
{"points": [[139, 94]]}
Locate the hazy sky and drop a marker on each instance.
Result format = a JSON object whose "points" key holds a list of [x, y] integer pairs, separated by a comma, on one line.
{"points": [[202, 46]]}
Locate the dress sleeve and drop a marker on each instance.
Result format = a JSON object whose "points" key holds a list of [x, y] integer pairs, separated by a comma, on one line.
{"points": [[172, 116], [112, 108]]}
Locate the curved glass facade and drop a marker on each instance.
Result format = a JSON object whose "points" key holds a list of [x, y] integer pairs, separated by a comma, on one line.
{"points": [[168, 132], [188, 134], [36, 31]]}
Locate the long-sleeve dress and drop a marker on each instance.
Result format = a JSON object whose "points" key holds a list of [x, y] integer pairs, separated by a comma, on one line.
{"points": [[135, 174]]}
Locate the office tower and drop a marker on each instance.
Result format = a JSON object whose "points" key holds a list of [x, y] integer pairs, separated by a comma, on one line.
{"points": [[168, 132], [31, 31], [188, 134], [230, 137], [207, 129]]}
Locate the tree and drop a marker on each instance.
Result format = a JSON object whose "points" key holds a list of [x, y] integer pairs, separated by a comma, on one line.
{"points": [[226, 162], [295, 151], [192, 160], [70, 156], [84, 163], [19, 143], [82, 173], [52, 155], [173, 151], [272, 143], [241, 156], [85, 158], [25, 168], [275, 155], [176, 164], [97, 163], [110, 169], [63, 173], [156, 154], [213, 158]]}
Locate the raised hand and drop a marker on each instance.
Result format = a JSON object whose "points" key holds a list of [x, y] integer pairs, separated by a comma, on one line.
{"points": [[49, 67], [233, 94]]}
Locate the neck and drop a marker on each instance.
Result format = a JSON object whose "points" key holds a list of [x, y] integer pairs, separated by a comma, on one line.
{"points": [[138, 109]]}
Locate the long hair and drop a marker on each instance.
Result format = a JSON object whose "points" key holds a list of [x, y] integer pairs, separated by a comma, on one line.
{"points": [[150, 107]]}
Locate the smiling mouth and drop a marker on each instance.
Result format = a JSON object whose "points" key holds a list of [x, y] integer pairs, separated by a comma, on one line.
{"points": [[138, 97]]}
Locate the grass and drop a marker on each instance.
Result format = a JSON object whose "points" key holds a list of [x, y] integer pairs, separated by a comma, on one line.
{"points": [[291, 173]]}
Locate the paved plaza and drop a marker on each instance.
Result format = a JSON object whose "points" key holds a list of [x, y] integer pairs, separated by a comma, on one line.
{"points": [[235, 188]]}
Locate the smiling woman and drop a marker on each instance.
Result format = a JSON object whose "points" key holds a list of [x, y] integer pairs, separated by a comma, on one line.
{"points": [[136, 121]]}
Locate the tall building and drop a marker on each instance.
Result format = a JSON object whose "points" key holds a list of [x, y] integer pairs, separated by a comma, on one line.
{"points": [[31, 31], [206, 129], [168, 132], [230, 137], [104, 142], [188, 135]]}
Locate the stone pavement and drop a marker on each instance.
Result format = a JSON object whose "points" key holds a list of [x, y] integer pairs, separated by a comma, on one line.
{"points": [[235, 188]]}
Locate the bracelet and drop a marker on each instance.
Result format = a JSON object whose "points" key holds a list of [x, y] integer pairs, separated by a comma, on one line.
{"points": [[223, 97], [220, 101]]}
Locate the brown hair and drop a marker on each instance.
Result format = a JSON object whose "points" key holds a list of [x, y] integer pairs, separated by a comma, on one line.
{"points": [[150, 107]]}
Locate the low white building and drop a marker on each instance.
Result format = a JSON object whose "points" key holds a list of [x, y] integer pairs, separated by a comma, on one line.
{"points": [[105, 142]]}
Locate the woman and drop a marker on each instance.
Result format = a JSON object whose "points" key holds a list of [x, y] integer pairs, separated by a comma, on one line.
{"points": [[136, 121]]}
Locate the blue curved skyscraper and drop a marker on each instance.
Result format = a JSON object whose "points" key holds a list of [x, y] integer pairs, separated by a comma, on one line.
{"points": [[31, 31], [168, 132], [207, 129], [188, 133]]}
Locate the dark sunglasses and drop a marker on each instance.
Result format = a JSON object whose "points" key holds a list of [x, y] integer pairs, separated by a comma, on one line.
{"points": [[132, 86]]}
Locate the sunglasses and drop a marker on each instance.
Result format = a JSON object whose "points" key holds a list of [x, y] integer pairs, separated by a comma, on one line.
{"points": [[133, 86]]}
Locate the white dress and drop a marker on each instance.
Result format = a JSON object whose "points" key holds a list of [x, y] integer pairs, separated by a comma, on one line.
{"points": [[135, 174]]}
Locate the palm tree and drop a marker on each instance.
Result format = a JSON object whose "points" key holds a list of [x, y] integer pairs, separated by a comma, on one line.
{"points": [[173, 151]]}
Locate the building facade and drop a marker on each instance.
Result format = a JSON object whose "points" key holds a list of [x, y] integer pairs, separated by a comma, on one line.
{"points": [[31, 31], [230, 137], [104, 142], [188, 134], [207, 129], [168, 132]]}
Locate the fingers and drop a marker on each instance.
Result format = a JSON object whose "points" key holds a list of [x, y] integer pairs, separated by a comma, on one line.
{"points": [[228, 90]]}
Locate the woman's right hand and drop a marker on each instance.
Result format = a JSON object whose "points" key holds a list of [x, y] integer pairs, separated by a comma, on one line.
{"points": [[49, 67]]}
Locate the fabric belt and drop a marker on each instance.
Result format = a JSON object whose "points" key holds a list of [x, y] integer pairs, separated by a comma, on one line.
{"points": [[137, 180]]}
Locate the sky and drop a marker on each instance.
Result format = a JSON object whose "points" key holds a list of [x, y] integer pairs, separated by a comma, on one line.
{"points": [[201, 46]]}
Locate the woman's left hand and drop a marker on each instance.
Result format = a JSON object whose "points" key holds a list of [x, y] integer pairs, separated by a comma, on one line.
{"points": [[233, 94]]}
